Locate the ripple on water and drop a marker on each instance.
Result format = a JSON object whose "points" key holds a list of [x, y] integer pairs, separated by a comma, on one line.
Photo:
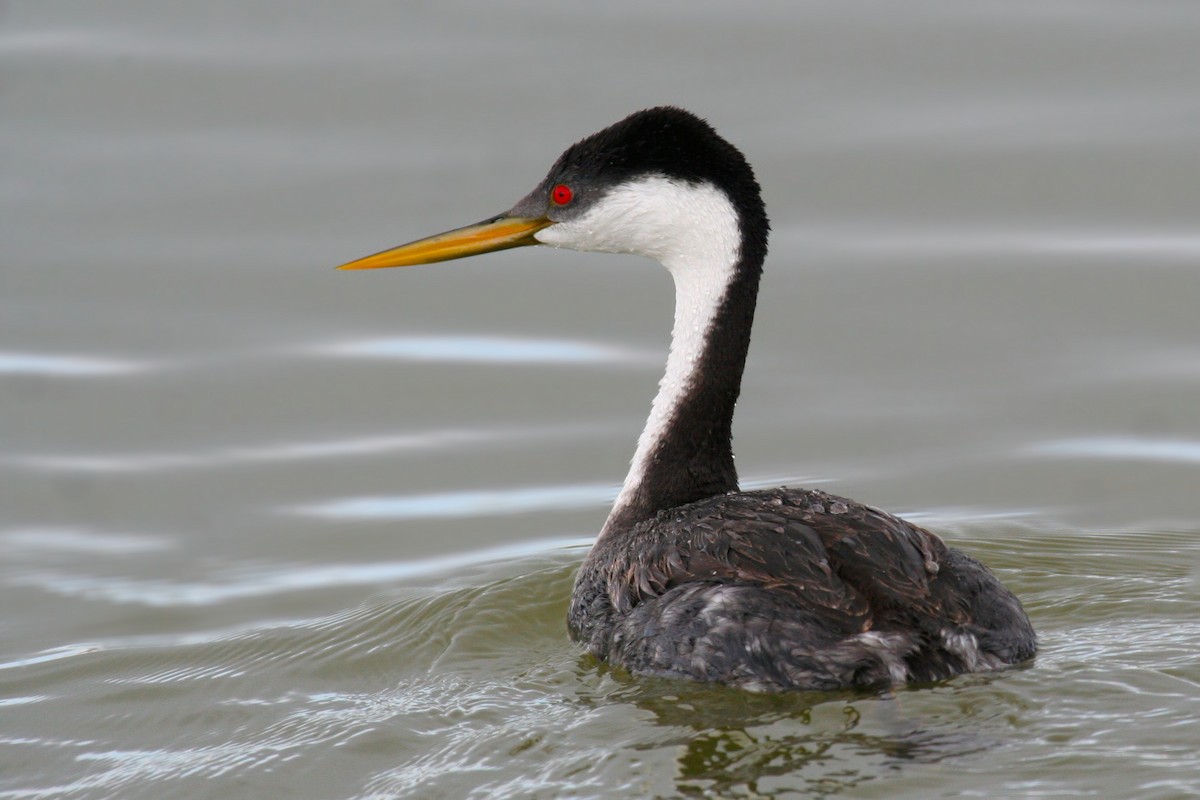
{"points": [[80, 540], [283, 453], [64, 366], [486, 349], [1167, 247], [403, 665], [1129, 448], [260, 582], [466, 686], [463, 504]]}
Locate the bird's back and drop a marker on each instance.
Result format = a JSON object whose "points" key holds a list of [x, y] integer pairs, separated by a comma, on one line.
{"points": [[792, 589]]}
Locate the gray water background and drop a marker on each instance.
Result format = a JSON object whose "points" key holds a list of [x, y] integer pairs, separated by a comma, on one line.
{"points": [[270, 530]]}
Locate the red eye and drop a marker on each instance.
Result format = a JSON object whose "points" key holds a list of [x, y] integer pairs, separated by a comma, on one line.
{"points": [[561, 194]]}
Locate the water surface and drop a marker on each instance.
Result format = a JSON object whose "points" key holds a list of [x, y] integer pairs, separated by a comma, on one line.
{"points": [[271, 530]]}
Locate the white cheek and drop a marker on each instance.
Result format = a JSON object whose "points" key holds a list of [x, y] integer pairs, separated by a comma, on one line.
{"points": [[672, 222], [603, 229]]}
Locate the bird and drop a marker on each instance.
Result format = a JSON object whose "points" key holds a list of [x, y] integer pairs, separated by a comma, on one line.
{"points": [[691, 577]]}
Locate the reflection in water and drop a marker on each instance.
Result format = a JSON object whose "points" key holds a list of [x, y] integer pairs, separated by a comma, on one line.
{"points": [[287, 452], [64, 366], [45, 657], [1162, 246], [464, 504], [1120, 447], [732, 743], [493, 349], [78, 540], [732, 760]]}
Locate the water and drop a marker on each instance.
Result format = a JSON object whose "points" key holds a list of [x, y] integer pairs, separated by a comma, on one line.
{"points": [[270, 530]]}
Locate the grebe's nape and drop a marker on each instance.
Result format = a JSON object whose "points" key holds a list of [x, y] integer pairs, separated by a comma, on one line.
{"points": [[691, 577]]}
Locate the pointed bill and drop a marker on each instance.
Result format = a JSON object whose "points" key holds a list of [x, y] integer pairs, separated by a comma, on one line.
{"points": [[497, 233]]}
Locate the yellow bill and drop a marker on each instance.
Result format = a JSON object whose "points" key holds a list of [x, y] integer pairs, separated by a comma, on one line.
{"points": [[498, 233]]}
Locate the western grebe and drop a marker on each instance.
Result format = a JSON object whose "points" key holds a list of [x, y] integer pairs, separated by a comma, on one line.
{"points": [[691, 577]]}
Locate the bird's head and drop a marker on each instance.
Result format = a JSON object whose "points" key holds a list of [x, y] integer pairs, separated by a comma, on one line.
{"points": [[660, 183]]}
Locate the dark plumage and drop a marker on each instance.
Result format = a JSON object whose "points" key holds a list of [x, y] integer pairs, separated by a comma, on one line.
{"points": [[791, 588]]}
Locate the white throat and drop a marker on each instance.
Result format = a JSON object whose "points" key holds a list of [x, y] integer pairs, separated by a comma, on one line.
{"points": [[692, 230]]}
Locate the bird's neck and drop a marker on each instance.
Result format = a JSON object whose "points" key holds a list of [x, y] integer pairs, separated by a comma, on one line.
{"points": [[685, 451]]}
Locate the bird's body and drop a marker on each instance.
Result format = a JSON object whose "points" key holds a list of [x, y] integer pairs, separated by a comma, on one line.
{"points": [[792, 588], [690, 577]]}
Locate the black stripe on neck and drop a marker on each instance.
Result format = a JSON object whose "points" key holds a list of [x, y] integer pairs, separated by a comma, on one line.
{"points": [[693, 458]]}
